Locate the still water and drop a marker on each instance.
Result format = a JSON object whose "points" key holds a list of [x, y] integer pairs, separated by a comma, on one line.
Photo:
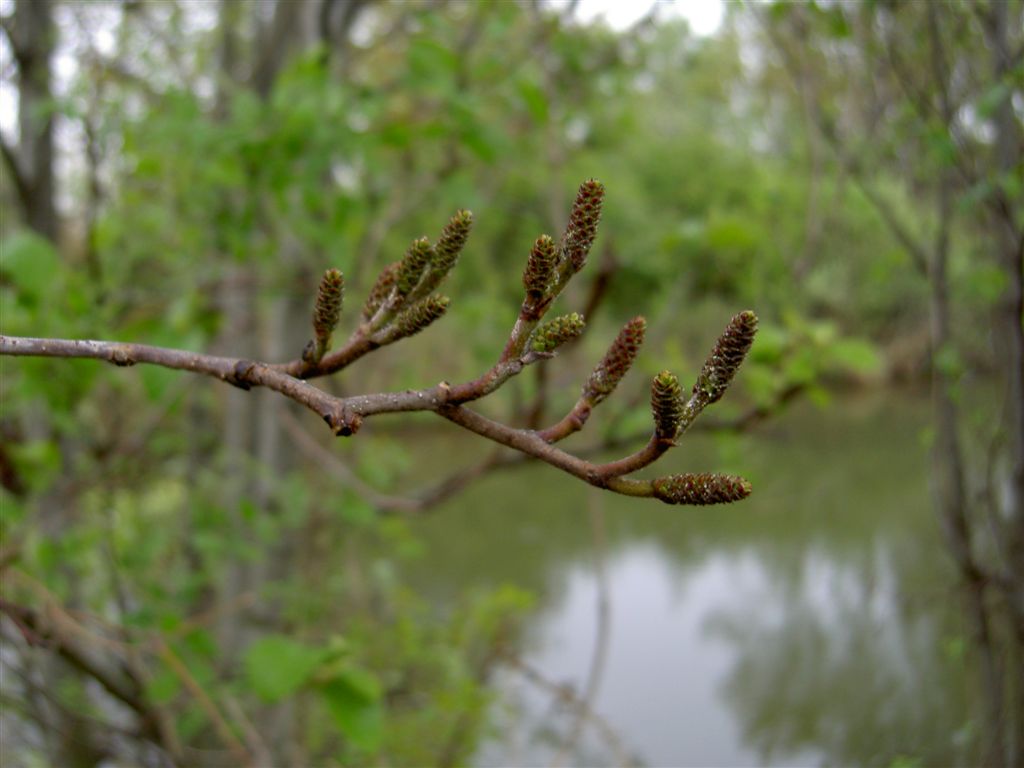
{"points": [[813, 624]]}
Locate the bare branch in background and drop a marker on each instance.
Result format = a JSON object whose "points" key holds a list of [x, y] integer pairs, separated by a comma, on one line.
{"points": [[565, 693]]}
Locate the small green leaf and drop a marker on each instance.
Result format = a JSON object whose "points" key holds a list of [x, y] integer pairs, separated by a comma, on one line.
{"points": [[949, 362], [535, 99], [856, 355], [356, 510], [353, 699], [992, 99], [771, 346], [163, 686], [38, 462], [986, 282], [31, 263], [277, 666]]}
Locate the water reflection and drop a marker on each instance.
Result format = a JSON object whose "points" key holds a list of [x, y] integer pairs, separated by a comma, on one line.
{"points": [[807, 626]]}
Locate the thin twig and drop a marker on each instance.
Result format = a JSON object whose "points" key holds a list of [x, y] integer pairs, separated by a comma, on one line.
{"points": [[220, 725]]}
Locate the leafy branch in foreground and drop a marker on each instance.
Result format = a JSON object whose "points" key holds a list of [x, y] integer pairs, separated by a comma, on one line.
{"points": [[404, 301]]}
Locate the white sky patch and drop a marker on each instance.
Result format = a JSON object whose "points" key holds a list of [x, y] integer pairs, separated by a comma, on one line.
{"points": [[704, 16]]}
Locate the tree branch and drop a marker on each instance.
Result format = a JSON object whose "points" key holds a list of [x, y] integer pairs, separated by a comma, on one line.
{"points": [[917, 251], [403, 303], [39, 630], [7, 24]]}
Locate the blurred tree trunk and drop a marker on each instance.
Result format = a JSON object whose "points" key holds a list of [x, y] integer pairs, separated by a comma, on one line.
{"points": [[31, 34], [1009, 162], [1009, 236], [235, 301], [949, 486]]}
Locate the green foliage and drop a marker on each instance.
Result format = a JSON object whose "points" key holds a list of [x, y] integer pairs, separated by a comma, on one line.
{"points": [[353, 698], [276, 666], [30, 263]]}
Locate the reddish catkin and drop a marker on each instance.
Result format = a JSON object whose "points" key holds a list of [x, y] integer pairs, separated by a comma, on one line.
{"points": [[616, 361], [583, 220]]}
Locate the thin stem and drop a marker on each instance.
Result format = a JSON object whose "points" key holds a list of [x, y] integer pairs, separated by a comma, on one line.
{"points": [[569, 424]]}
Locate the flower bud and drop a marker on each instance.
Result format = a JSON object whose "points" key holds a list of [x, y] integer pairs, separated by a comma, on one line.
{"points": [[726, 357], [701, 489], [667, 405], [411, 268], [415, 318], [326, 313], [539, 269], [583, 220], [446, 252], [453, 239], [616, 361], [554, 333], [381, 290]]}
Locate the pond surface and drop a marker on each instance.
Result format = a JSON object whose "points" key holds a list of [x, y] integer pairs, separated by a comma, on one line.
{"points": [[812, 624]]}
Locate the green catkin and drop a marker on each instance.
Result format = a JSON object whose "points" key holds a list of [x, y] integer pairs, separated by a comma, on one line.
{"points": [[540, 268], [326, 313], [701, 489], [446, 251], [416, 317], [412, 266], [667, 405], [554, 333]]}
